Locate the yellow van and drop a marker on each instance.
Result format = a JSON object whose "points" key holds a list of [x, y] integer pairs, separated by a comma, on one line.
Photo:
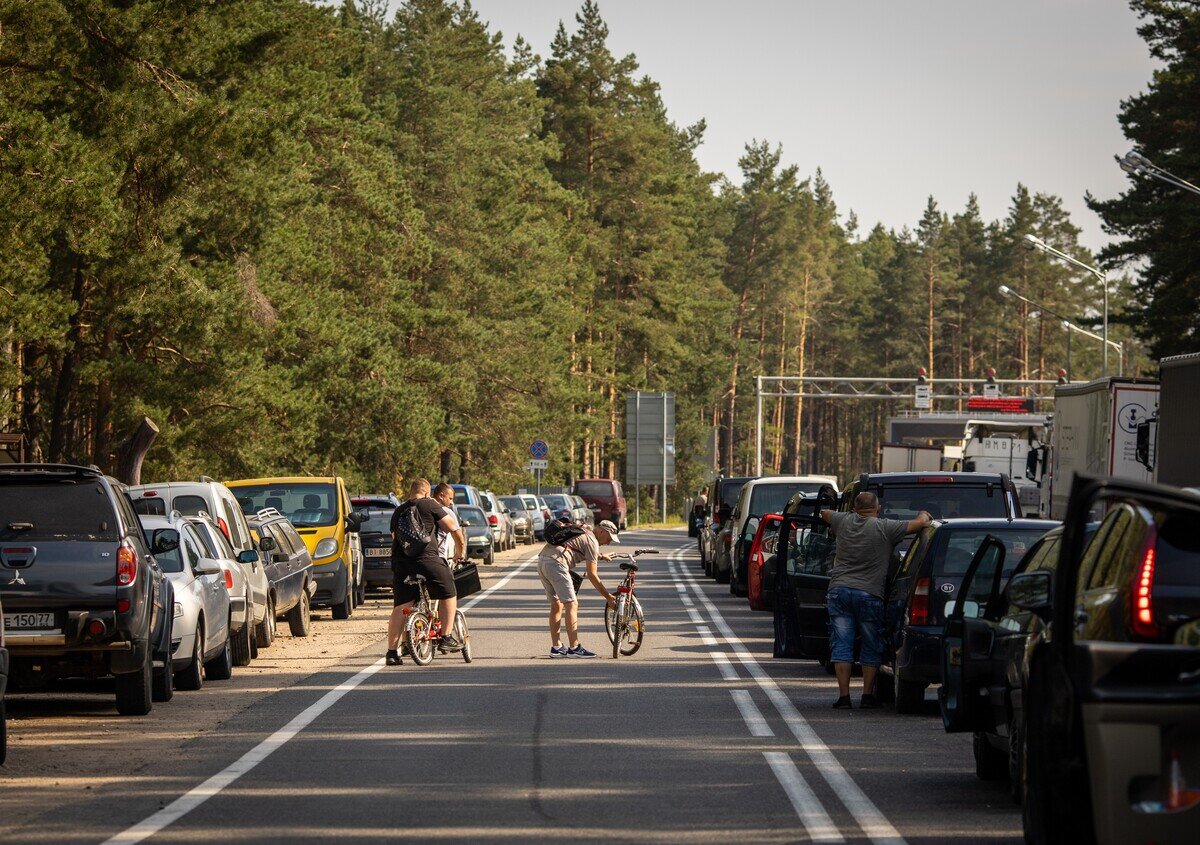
{"points": [[319, 508]]}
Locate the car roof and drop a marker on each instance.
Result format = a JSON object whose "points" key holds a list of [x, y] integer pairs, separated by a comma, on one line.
{"points": [[284, 479], [974, 523], [792, 479], [376, 501], [956, 477]]}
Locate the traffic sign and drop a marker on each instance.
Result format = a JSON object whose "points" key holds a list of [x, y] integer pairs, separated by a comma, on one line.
{"points": [[922, 397], [538, 449], [991, 390], [535, 464]]}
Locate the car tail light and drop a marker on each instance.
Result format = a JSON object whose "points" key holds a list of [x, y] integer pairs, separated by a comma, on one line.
{"points": [[126, 566], [97, 628], [224, 526], [1143, 601], [936, 479], [228, 578], [493, 519], [918, 611], [122, 605]]}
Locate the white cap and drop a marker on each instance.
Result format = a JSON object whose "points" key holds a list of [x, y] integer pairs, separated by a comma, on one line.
{"points": [[608, 526]]}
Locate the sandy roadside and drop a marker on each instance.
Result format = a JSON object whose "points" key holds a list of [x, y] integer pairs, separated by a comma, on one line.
{"points": [[63, 744]]}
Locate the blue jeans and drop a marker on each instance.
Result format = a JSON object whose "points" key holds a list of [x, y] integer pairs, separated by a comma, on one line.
{"points": [[852, 611]]}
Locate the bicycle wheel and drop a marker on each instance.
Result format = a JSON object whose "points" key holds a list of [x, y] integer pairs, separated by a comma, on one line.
{"points": [[634, 628], [416, 632], [463, 635], [612, 623]]}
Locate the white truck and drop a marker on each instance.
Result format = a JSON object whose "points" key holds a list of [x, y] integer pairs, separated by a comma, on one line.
{"points": [[1094, 430], [902, 457], [1168, 443], [1005, 446]]}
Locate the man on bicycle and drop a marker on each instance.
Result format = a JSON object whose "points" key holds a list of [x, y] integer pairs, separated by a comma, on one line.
{"points": [[555, 567]]}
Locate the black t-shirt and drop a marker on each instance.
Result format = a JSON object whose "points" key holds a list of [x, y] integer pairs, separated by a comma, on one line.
{"points": [[430, 512]]}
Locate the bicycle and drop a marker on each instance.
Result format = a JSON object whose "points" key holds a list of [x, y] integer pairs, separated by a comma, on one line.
{"points": [[624, 622], [423, 629]]}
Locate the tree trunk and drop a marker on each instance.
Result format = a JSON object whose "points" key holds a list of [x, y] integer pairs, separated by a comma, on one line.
{"points": [[798, 435], [132, 451]]}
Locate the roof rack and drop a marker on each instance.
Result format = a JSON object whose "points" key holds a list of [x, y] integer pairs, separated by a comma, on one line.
{"points": [[61, 469], [268, 513], [204, 479]]}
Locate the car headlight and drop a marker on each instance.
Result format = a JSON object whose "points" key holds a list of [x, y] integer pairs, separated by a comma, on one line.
{"points": [[178, 610], [327, 547]]}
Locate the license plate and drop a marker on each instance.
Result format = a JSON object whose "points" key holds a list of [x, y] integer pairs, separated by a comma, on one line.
{"points": [[377, 552], [29, 621]]}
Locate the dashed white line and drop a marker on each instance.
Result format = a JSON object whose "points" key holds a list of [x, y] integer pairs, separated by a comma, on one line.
{"points": [[751, 715], [808, 807], [724, 666]]}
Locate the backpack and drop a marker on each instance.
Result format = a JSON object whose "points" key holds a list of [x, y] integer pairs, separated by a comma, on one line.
{"points": [[560, 531], [411, 536]]}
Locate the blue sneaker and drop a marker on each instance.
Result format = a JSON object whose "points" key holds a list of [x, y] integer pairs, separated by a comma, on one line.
{"points": [[559, 651], [579, 651]]}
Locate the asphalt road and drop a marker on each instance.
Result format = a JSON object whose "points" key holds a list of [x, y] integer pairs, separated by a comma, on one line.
{"points": [[700, 737]]}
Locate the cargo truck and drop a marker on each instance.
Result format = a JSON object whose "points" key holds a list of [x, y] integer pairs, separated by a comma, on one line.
{"points": [[1004, 446], [902, 457], [1167, 442]]}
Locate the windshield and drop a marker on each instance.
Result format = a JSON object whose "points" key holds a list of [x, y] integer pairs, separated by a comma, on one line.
{"points": [[954, 557], [471, 516], [306, 505], [943, 501], [595, 489], [772, 498], [56, 510]]}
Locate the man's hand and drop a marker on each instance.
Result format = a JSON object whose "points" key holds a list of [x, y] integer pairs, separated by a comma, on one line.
{"points": [[604, 556], [611, 600]]}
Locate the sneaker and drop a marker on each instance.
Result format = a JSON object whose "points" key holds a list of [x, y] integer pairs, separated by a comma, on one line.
{"points": [[393, 658], [559, 651], [843, 703], [868, 702], [451, 643], [580, 651]]}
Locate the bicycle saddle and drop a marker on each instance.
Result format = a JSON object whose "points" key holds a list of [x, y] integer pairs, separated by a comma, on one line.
{"points": [[632, 566], [414, 579]]}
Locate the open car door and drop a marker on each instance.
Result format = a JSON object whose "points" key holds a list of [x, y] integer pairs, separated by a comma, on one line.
{"points": [[967, 643], [803, 562]]}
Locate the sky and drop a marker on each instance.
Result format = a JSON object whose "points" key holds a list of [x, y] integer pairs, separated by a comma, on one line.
{"points": [[894, 100]]}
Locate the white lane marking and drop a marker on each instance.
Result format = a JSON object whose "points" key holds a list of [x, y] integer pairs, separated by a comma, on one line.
{"points": [[192, 799], [723, 664], [695, 616], [751, 714], [706, 636], [687, 600], [873, 823], [808, 807]]}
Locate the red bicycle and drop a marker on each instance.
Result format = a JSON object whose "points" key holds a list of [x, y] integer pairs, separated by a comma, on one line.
{"points": [[624, 621], [423, 629]]}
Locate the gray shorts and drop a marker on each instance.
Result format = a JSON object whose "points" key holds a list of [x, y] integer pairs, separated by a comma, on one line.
{"points": [[556, 579]]}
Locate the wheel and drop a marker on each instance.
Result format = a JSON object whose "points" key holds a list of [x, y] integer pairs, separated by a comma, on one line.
{"points": [[622, 526], [135, 689], [164, 679], [1016, 758], [990, 764], [243, 643], [191, 677], [360, 594], [634, 629], [618, 632], [908, 695], [489, 558], [300, 617], [264, 632], [3, 733], [722, 577], [416, 634], [345, 609], [253, 641], [885, 691], [463, 634], [220, 668]]}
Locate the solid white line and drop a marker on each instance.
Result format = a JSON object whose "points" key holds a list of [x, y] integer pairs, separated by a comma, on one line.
{"points": [[751, 714], [873, 823], [808, 807], [723, 664], [687, 600], [706, 636], [695, 616], [192, 799]]}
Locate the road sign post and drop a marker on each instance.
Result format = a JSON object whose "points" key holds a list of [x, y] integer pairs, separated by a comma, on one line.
{"points": [[538, 450], [649, 444]]}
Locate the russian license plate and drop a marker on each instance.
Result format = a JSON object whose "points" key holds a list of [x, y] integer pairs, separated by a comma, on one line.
{"points": [[378, 552], [29, 621]]}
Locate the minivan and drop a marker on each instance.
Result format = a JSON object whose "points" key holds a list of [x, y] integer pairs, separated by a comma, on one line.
{"points": [[605, 497]]}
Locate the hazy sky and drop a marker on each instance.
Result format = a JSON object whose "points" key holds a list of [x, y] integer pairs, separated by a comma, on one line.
{"points": [[894, 99]]}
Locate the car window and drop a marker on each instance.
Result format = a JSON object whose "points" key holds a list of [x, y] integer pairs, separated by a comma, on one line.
{"points": [[810, 551], [530, 503], [191, 545], [460, 496], [594, 488], [308, 504], [1117, 553], [512, 503], [772, 498], [234, 521], [295, 539], [916, 550], [379, 518], [56, 510], [1091, 552], [943, 501], [223, 549], [954, 556], [1044, 555], [164, 545], [281, 538], [468, 515], [206, 540], [189, 505], [153, 506], [729, 491]]}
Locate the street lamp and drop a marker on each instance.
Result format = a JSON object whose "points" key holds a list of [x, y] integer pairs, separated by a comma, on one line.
{"points": [[1034, 242], [1136, 164], [1005, 290]]}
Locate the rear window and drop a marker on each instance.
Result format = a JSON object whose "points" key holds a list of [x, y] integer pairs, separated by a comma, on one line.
{"points": [[471, 516], [772, 498], [558, 502], [594, 488], [150, 507], [461, 497], [57, 510], [729, 493], [190, 505], [943, 501], [379, 519], [953, 555], [530, 503], [512, 503]]}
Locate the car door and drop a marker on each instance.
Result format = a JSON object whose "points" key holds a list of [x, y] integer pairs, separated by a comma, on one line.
{"points": [[968, 666], [209, 587], [804, 561]]}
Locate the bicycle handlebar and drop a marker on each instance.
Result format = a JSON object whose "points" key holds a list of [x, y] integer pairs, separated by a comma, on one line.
{"points": [[631, 555]]}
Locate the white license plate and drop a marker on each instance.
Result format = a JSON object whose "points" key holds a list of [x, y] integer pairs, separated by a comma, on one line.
{"points": [[378, 552], [29, 621]]}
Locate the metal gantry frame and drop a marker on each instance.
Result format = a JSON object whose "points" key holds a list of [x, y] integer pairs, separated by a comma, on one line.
{"points": [[882, 387]]}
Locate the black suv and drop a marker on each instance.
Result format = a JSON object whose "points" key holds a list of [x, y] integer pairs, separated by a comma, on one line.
{"points": [[289, 573], [716, 535], [83, 597]]}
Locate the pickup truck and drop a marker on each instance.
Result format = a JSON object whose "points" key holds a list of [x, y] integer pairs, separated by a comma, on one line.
{"points": [[82, 594]]}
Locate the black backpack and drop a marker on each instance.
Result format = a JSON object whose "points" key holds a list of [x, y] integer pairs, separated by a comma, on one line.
{"points": [[558, 532], [411, 536]]}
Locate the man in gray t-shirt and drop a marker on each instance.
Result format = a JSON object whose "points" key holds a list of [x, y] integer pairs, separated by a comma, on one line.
{"points": [[865, 545]]}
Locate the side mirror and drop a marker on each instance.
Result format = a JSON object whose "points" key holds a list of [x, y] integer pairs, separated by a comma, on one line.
{"points": [[355, 520], [1146, 443], [266, 544], [207, 566], [248, 556], [1031, 591], [1032, 460], [164, 544]]}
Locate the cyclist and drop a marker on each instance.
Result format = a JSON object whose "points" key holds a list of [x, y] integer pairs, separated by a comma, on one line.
{"points": [[555, 566]]}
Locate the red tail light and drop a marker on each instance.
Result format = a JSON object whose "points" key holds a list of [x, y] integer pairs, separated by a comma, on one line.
{"points": [[493, 519], [936, 479], [918, 611], [228, 579], [126, 566], [122, 605], [1143, 604], [224, 528]]}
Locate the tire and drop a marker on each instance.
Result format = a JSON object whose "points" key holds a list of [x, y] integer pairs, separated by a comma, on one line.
{"points": [[264, 632], [908, 695], [360, 594], [3, 733], [192, 676], [253, 644], [243, 645], [885, 690], [135, 690], [464, 635], [722, 577], [416, 634], [300, 617], [1016, 758], [990, 764], [489, 558], [345, 609], [220, 668], [164, 679]]}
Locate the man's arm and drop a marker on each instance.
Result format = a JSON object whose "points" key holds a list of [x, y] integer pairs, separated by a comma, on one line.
{"points": [[593, 575], [827, 515], [921, 520], [450, 525]]}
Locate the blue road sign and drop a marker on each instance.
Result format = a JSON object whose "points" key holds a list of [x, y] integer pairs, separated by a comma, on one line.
{"points": [[538, 449]]}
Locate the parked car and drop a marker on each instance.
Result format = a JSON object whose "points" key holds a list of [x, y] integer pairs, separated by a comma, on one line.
{"points": [[605, 498], [561, 506], [581, 512], [207, 496], [1112, 703], [760, 573], [319, 509], [801, 618], [499, 523], [235, 569], [3, 688], [522, 519], [537, 517], [478, 534], [375, 534], [83, 596], [757, 497], [200, 648], [289, 569], [928, 583], [720, 508], [467, 494]]}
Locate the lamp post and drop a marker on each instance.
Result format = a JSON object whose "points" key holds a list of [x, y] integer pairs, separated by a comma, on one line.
{"points": [[1034, 242], [1005, 290], [1136, 164]]}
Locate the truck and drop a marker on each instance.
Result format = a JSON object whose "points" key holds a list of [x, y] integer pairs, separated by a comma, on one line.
{"points": [[1166, 444], [904, 457], [1004, 446], [1094, 430]]}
